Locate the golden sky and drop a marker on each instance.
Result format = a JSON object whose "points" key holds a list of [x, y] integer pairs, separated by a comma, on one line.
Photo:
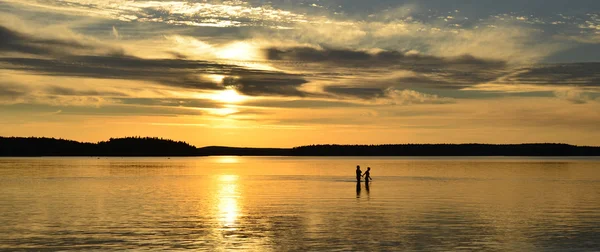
{"points": [[287, 73]]}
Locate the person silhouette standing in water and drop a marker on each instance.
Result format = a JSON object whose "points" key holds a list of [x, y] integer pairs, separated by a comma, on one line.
{"points": [[367, 175], [358, 173]]}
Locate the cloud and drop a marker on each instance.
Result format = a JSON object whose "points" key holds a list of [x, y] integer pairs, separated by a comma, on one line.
{"points": [[379, 58], [389, 25], [388, 96], [65, 91], [10, 93], [303, 103], [368, 73], [359, 92], [579, 74], [202, 14], [337, 63], [502, 41], [408, 97], [170, 102], [83, 107], [482, 38], [45, 43], [576, 96], [12, 41], [267, 84], [170, 72]]}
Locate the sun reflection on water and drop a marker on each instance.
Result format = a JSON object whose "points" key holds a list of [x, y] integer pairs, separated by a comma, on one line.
{"points": [[228, 160], [228, 200]]}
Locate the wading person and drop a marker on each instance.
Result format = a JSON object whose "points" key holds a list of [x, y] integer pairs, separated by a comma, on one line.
{"points": [[367, 175], [358, 173]]}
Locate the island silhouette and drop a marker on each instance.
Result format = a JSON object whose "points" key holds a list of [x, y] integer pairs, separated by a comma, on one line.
{"points": [[153, 146]]}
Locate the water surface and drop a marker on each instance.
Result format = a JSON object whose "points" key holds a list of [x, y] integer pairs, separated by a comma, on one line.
{"points": [[289, 203]]}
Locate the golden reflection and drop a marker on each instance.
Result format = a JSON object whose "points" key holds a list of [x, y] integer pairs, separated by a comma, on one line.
{"points": [[228, 200], [228, 211]]}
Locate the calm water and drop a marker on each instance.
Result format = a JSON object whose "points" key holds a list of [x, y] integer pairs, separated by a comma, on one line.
{"points": [[282, 204]]}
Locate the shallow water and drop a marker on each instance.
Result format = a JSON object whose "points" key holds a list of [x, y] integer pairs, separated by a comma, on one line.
{"points": [[288, 203]]}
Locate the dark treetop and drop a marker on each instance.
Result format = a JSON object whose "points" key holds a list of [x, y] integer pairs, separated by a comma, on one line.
{"points": [[147, 146]]}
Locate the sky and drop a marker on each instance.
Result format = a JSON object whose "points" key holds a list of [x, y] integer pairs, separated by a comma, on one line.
{"points": [[287, 73]]}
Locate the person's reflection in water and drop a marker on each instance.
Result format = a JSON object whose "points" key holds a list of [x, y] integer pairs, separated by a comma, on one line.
{"points": [[367, 188], [358, 189]]}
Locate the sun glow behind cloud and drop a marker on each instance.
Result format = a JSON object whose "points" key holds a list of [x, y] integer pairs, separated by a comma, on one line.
{"points": [[238, 51], [228, 96]]}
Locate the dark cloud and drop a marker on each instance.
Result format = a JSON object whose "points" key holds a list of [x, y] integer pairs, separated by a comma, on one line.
{"points": [[267, 84], [11, 92], [579, 74], [429, 71], [104, 110], [481, 94], [429, 81], [359, 92], [171, 72], [358, 74], [170, 102], [56, 90], [168, 72], [315, 55], [302, 104], [348, 57], [14, 41]]}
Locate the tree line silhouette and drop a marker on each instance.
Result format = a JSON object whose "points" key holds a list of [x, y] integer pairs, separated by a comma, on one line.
{"points": [[152, 146], [536, 149], [128, 146]]}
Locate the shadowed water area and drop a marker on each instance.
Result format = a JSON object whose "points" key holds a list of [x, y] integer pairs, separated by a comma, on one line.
{"points": [[291, 203]]}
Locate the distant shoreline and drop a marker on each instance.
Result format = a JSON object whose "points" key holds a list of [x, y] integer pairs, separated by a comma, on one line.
{"points": [[158, 147]]}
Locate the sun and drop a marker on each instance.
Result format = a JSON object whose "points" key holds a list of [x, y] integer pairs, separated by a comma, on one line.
{"points": [[216, 78], [228, 96]]}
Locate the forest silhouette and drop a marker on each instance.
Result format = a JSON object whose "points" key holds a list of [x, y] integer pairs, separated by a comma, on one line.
{"points": [[152, 146]]}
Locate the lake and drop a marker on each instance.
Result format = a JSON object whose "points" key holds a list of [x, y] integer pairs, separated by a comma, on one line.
{"points": [[300, 203]]}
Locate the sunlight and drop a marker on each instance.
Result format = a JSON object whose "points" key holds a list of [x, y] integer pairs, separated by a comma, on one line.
{"points": [[229, 211], [237, 51], [216, 78], [227, 96]]}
